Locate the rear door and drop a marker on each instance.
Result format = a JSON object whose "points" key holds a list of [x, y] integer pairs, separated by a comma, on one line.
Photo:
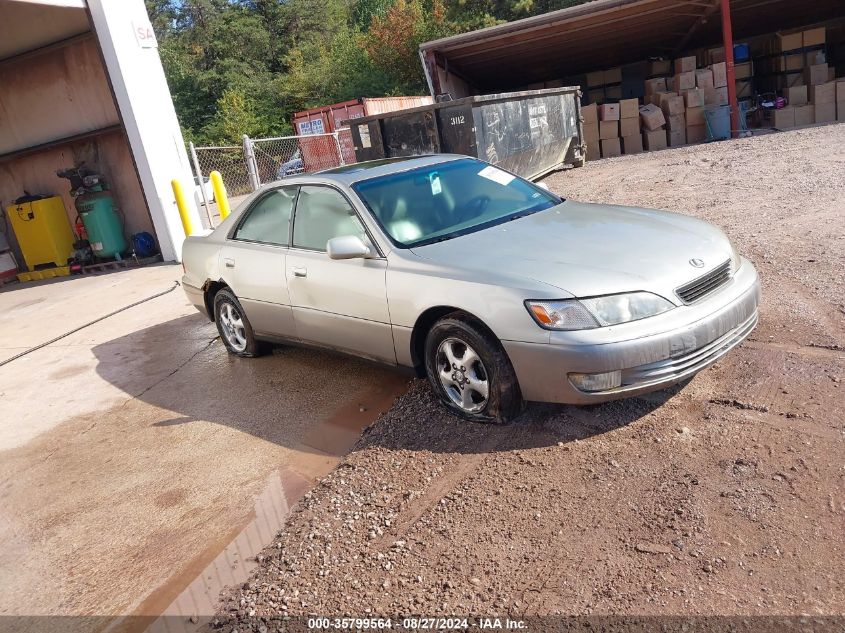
{"points": [[253, 262], [340, 304]]}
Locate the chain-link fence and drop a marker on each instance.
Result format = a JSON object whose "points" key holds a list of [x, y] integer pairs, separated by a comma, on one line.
{"points": [[263, 160], [277, 158]]}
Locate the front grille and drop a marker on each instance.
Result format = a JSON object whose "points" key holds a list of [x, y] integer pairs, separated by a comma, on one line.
{"points": [[704, 285]]}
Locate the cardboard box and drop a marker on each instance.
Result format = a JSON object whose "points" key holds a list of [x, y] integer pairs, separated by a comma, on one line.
{"points": [[840, 90], [629, 109], [677, 136], [593, 151], [796, 95], [710, 96], [784, 118], [696, 133], [610, 147], [590, 114], [823, 93], [676, 121], [595, 79], [629, 127], [804, 115], [591, 132], [632, 144], [684, 65], [609, 112], [790, 62], [825, 112], [831, 73], [612, 76], [704, 78], [694, 98], [655, 139], [789, 41], [716, 55], [744, 89], [812, 58], [815, 74], [722, 96], [695, 116], [840, 110], [651, 117], [683, 81], [608, 129], [657, 84], [720, 74], [671, 104], [659, 67], [596, 96], [743, 70], [814, 37], [657, 97]]}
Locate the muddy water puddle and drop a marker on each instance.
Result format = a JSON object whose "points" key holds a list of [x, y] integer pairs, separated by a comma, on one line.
{"points": [[188, 600]]}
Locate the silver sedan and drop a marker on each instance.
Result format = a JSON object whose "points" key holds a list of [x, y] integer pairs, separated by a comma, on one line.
{"points": [[496, 289]]}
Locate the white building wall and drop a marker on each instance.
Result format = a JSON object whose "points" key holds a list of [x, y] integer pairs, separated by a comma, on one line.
{"points": [[143, 98]]}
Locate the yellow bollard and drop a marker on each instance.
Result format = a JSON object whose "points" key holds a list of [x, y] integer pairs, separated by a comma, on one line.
{"points": [[184, 213], [220, 196]]}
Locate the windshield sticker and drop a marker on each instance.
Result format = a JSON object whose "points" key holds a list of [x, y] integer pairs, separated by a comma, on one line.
{"points": [[436, 187], [496, 175]]}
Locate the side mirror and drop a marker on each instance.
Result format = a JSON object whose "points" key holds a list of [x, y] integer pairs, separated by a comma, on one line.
{"points": [[347, 247], [543, 185]]}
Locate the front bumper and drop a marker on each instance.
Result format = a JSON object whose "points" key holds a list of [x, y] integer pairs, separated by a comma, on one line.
{"points": [[648, 361]]}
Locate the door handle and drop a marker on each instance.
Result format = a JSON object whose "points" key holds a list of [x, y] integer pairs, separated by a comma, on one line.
{"points": [[230, 263], [299, 271]]}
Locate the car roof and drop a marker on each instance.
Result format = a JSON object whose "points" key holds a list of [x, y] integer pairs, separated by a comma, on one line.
{"points": [[355, 172]]}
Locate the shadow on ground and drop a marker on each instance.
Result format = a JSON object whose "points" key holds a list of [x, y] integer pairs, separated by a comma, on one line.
{"points": [[281, 395]]}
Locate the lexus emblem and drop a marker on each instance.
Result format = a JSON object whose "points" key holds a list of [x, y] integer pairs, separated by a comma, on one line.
{"points": [[697, 263]]}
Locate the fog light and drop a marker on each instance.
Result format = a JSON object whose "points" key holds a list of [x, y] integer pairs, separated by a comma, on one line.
{"points": [[597, 382]]}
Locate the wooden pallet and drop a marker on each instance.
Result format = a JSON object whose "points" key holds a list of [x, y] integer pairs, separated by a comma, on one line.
{"points": [[129, 262]]}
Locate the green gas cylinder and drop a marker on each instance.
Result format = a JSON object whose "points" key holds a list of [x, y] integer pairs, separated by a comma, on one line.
{"points": [[102, 224]]}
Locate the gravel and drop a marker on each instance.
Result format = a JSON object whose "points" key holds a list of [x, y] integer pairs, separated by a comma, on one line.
{"points": [[721, 496]]}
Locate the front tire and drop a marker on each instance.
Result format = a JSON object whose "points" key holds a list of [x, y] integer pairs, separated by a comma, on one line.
{"points": [[234, 327], [470, 371]]}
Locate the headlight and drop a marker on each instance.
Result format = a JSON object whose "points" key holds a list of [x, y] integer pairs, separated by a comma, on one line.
{"points": [[736, 260], [584, 314]]}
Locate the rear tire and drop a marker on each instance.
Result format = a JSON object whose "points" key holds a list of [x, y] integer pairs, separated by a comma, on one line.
{"points": [[470, 371], [234, 327]]}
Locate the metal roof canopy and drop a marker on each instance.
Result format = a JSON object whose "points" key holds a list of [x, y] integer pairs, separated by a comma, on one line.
{"points": [[607, 33]]}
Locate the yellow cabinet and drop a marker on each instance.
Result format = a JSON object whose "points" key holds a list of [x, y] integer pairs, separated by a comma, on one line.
{"points": [[43, 231]]}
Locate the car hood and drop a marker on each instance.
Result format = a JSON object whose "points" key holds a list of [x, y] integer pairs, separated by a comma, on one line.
{"points": [[590, 249]]}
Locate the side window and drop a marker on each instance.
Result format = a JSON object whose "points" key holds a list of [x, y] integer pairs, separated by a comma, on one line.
{"points": [[268, 221], [321, 214]]}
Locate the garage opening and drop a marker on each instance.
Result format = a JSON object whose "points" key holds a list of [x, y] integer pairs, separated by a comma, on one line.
{"points": [[782, 65]]}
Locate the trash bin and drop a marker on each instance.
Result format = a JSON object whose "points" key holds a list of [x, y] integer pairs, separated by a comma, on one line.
{"points": [[529, 133]]}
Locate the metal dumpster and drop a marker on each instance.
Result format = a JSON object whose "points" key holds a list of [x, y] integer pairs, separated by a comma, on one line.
{"points": [[529, 133]]}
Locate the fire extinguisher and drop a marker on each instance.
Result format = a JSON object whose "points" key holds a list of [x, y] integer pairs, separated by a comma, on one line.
{"points": [[80, 228]]}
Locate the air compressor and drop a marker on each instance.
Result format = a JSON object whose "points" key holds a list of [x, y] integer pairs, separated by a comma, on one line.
{"points": [[97, 212]]}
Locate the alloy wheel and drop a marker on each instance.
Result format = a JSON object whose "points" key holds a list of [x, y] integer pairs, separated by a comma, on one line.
{"points": [[233, 326], [463, 375]]}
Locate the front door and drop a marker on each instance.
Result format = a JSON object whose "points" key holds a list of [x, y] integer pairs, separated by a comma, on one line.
{"points": [[341, 304], [252, 263]]}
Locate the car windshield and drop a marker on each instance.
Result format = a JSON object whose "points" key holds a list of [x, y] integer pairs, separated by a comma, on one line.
{"points": [[438, 202]]}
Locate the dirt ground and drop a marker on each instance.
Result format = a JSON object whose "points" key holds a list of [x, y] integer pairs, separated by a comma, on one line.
{"points": [[723, 496]]}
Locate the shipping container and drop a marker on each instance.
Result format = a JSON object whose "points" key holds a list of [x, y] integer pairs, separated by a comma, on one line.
{"points": [[529, 133], [327, 119]]}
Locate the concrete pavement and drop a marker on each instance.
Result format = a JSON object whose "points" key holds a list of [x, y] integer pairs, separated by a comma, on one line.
{"points": [[136, 455]]}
